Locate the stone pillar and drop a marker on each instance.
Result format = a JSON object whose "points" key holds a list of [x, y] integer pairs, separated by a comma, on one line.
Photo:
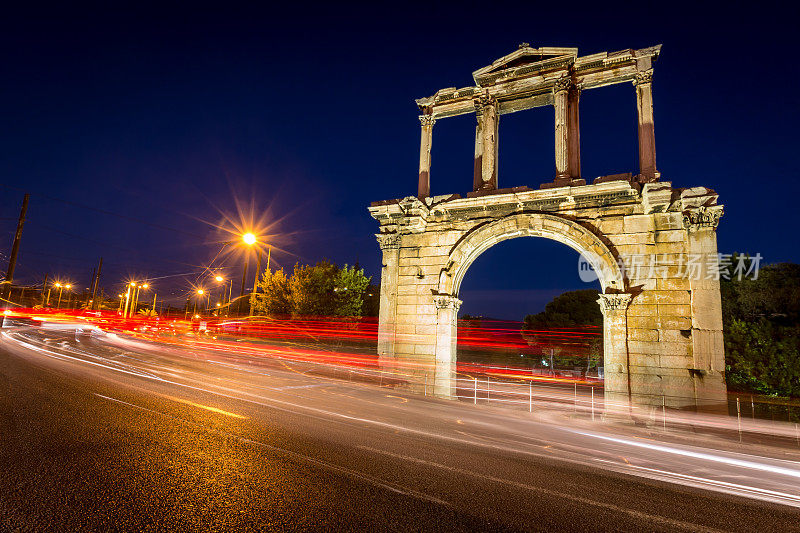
{"points": [[647, 140], [477, 172], [446, 339], [615, 350], [387, 314], [708, 349], [574, 133], [560, 104], [486, 136], [424, 188]]}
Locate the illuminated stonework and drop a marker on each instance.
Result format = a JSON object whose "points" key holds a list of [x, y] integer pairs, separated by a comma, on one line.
{"points": [[662, 329]]}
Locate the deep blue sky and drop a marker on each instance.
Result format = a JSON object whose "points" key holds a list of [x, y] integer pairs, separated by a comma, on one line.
{"points": [[166, 116]]}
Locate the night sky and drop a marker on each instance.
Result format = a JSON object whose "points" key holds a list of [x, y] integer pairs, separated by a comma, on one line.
{"points": [[138, 132]]}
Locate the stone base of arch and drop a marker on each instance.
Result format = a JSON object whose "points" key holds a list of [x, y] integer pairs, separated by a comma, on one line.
{"points": [[662, 327]]}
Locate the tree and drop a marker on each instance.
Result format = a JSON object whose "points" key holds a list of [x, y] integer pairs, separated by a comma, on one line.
{"points": [[761, 322], [274, 294], [349, 286], [372, 300], [573, 308], [323, 289], [763, 357], [311, 289]]}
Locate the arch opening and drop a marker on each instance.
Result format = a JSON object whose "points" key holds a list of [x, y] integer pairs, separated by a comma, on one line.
{"points": [[544, 225], [504, 332]]}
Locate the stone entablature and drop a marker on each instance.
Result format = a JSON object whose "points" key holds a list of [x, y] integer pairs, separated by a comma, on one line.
{"points": [[534, 77], [531, 85]]}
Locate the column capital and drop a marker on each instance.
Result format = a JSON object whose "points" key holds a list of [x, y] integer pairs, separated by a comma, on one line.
{"points": [[446, 301], [427, 120], [562, 84], [482, 102], [388, 241], [702, 218], [646, 76], [613, 302]]}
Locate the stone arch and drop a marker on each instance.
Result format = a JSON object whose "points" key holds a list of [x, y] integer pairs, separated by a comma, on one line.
{"points": [[613, 302], [560, 229]]}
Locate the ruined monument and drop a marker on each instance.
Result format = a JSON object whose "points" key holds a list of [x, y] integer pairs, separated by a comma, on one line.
{"points": [[661, 305]]}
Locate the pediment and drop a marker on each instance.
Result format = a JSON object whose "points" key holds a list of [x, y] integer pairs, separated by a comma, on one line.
{"points": [[523, 60]]}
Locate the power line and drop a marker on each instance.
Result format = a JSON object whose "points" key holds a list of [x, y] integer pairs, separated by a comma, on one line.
{"points": [[103, 211]]}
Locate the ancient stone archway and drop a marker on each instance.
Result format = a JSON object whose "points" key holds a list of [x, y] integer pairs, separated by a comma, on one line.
{"points": [[653, 246]]}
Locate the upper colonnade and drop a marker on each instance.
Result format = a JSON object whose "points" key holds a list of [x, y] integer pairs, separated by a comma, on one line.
{"points": [[536, 77]]}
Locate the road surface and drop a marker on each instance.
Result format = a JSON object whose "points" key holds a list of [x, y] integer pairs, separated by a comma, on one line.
{"points": [[110, 433]]}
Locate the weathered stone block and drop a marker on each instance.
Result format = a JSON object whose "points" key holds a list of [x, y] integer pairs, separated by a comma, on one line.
{"points": [[638, 224], [646, 335], [643, 310]]}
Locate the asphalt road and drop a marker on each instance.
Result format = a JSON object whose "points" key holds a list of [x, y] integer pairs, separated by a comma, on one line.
{"points": [[118, 435]]}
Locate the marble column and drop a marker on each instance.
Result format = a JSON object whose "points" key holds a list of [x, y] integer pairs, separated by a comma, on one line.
{"points": [[574, 133], [446, 339], [426, 139], [477, 172], [486, 141], [615, 350], [647, 140], [560, 104], [387, 314]]}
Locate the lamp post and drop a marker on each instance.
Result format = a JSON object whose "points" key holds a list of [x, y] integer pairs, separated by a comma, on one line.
{"points": [[128, 302], [200, 293], [249, 239], [141, 286], [60, 292]]}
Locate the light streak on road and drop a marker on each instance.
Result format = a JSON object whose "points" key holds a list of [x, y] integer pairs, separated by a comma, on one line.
{"points": [[257, 377]]}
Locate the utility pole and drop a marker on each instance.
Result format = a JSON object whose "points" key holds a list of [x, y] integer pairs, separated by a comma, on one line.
{"points": [[12, 259], [95, 284], [44, 288], [258, 271], [89, 289], [244, 279]]}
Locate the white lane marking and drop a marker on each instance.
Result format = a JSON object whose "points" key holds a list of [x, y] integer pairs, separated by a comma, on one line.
{"points": [[378, 423], [700, 455], [731, 488], [578, 499], [289, 387], [299, 456]]}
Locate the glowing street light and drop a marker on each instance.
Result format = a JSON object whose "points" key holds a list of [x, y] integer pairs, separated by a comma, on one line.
{"points": [[249, 239], [138, 287], [61, 291]]}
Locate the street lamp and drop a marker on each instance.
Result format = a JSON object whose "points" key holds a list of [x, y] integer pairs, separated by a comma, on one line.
{"points": [[249, 239], [136, 298], [60, 292], [200, 293], [128, 301]]}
